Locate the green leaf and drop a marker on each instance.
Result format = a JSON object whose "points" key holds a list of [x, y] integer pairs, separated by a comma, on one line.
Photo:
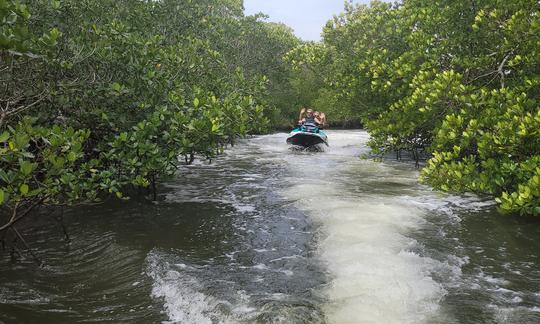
{"points": [[196, 102], [2, 196], [72, 156], [55, 4], [26, 168], [24, 189], [4, 137], [4, 176]]}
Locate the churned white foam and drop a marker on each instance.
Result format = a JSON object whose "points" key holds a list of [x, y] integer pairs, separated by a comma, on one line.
{"points": [[183, 303], [375, 276], [183, 300]]}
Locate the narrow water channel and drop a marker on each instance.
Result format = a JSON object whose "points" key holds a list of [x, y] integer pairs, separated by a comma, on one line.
{"points": [[269, 235]]}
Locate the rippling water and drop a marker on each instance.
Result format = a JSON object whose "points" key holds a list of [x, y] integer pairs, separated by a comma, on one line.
{"points": [[269, 235]]}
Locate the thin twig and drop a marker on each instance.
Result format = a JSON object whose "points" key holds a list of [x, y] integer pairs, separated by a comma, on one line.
{"points": [[15, 218], [21, 238], [501, 67]]}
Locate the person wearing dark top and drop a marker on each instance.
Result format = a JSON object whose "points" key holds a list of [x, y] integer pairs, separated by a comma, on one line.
{"points": [[309, 118]]}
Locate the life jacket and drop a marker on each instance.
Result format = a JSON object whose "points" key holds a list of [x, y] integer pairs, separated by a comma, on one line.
{"points": [[309, 120], [310, 125]]}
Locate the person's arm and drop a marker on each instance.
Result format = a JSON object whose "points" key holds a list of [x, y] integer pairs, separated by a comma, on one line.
{"points": [[302, 112], [323, 119]]}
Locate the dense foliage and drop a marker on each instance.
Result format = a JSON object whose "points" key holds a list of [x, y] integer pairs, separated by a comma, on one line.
{"points": [[104, 98], [458, 81], [107, 97]]}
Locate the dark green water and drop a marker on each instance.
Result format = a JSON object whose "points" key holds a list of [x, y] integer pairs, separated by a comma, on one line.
{"points": [[268, 235]]}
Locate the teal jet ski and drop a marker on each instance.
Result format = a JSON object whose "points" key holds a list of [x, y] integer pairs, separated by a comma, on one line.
{"points": [[307, 135]]}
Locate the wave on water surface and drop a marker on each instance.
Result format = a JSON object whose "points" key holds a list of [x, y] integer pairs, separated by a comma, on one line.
{"points": [[335, 239], [376, 278], [265, 234]]}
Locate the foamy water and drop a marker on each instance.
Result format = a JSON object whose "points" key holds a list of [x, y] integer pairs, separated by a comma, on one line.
{"points": [[327, 237], [375, 276], [265, 234]]}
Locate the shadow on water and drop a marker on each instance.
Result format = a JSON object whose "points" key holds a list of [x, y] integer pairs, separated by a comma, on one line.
{"points": [[90, 278], [99, 275]]}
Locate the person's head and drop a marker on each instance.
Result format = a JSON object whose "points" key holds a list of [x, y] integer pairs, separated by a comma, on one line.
{"points": [[309, 112], [316, 114]]}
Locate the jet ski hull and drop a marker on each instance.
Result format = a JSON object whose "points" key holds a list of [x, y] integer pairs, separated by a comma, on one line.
{"points": [[307, 139]]}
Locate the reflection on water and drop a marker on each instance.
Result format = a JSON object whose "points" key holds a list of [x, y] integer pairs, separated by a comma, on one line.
{"points": [[270, 235]]}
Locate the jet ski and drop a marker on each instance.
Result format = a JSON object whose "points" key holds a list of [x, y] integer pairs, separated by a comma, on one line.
{"points": [[307, 135]]}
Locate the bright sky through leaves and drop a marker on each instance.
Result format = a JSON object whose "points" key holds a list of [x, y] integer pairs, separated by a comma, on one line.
{"points": [[306, 17]]}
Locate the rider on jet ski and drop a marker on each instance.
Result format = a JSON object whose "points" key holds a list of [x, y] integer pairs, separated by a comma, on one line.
{"points": [[308, 133], [313, 117]]}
